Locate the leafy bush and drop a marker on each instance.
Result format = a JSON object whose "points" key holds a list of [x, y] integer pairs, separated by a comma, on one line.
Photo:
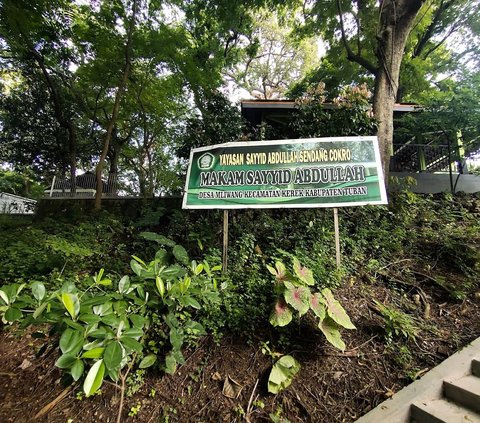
{"points": [[104, 331], [36, 250], [295, 296]]}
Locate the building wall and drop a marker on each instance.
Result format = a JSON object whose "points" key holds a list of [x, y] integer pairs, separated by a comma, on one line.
{"points": [[432, 183]]}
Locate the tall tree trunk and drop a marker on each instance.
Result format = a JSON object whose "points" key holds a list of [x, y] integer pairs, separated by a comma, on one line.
{"points": [[64, 121], [72, 143], [113, 173], [116, 107], [395, 24]]}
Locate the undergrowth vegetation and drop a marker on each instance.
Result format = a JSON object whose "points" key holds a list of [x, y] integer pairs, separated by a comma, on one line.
{"points": [[136, 313]]}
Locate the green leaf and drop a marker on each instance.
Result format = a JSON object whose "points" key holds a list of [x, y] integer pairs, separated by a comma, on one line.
{"points": [[13, 314], [195, 328], [198, 269], [317, 305], [148, 361], [74, 325], [131, 344], [103, 309], [137, 320], [137, 268], [303, 273], [100, 333], [280, 271], [134, 332], [181, 254], [39, 310], [4, 297], [331, 332], [71, 341], [172, 272], [272, 270], [281, 314], [152, 236], [191, 302], [161, 256], [71, 304], [176, 338], [170, 364], [89, 318], [111, 320], [66, 361], [298, 297], [105, 282], [38, 290], [124, 284], [112, 357], [160, 286], [94, 378], [139, 260], [336, 311], [94, 353], [77, 369], [282, 374], [178, 356]]}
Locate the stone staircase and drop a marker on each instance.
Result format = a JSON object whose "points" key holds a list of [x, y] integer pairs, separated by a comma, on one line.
{"points": [[449, 393], [460, 401]]}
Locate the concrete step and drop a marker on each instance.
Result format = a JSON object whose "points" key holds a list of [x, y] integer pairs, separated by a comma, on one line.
{"points": [[441, 411], [476, 367], [464, 391], [462, 368]]}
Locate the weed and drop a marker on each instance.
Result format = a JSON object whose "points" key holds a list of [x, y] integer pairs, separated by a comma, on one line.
{"points": [[396, 322], [277, 416], [134, 410], [135, 382]]}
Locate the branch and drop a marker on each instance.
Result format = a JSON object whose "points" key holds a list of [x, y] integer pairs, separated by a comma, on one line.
{"points": [[55, 96], [452, 30], [428, 34], [350, 54]]}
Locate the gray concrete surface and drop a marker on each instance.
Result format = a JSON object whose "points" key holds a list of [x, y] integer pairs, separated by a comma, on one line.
{"points": [[432, 183], [428, 388]]}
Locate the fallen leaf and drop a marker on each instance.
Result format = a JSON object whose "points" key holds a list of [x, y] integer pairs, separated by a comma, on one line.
{"points": [[216, 376], [25, 364], [231, 388]]}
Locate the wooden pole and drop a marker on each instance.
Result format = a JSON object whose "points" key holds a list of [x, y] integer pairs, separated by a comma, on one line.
{"points": [[225, 241], [337, 236]]}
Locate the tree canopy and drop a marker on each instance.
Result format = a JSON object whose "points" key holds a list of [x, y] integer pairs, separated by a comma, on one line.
{"points": [[128, 86]]}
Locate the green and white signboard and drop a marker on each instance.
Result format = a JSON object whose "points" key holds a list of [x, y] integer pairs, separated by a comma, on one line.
{"points": [[314, 172]]}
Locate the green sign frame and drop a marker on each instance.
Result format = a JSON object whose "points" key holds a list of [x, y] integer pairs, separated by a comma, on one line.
{"points": [[299, 173]]}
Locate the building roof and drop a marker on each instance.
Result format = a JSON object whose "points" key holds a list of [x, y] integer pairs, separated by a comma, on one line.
{"points": [[15, 197], [290, 104]]}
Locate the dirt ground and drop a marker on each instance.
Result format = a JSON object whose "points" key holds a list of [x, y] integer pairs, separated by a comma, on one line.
{"points": [[330, 387]]}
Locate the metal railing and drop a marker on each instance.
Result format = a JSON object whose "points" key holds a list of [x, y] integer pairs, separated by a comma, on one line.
{"points": [[85, 187], [422, 158]]}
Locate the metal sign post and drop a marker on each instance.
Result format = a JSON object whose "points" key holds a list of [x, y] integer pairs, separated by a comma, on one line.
{"points": [[225, 241], [337, 236], [303, 173]]}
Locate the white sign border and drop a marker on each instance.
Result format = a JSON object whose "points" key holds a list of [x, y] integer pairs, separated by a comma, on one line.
{"points": [[381, 180]]}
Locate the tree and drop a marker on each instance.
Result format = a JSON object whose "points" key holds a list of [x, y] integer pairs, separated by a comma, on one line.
{"points": [[30, 136], [20, 183], [376, 37], [130, 28], [274, 58], [453, 112], [220, 123], [350, 117], [34, 34]]}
